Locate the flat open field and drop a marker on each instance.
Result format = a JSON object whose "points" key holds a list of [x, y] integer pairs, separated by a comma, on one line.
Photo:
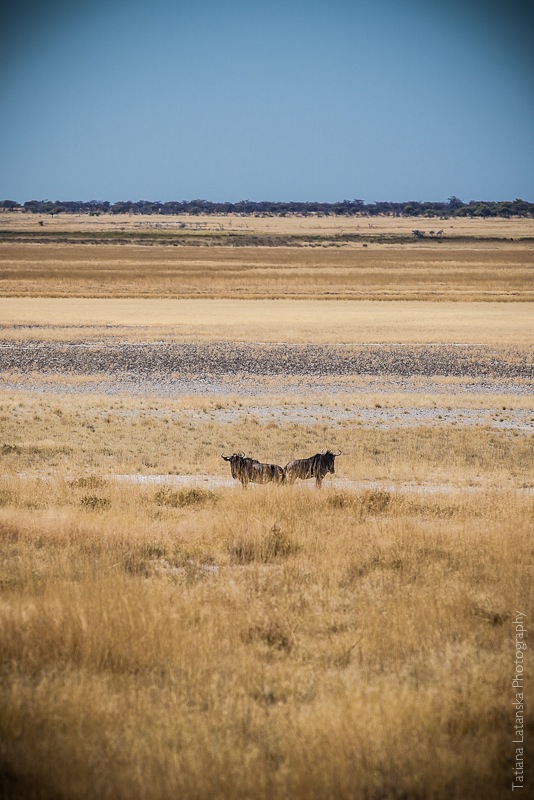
{"points": [[312, 226], [164, 633], [231, 320], [239, 257]]}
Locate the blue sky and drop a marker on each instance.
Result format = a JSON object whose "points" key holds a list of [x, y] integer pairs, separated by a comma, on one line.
{"points": [[272, 100]]}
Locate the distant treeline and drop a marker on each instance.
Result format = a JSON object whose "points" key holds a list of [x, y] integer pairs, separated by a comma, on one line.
{"points": [[453, 207]]}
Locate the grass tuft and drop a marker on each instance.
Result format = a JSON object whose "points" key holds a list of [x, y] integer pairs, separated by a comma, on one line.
{"points": [[184, 497], [262, 548]]}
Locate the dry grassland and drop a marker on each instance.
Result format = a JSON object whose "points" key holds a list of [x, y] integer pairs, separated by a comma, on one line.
{"points": [[288, 225], [160, 640], [486, 271], [261, 644], [73, 435], [267, 321], [473, 260]]}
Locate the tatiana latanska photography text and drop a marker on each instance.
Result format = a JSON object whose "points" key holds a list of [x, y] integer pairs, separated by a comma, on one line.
{"points": [[518, 684]]}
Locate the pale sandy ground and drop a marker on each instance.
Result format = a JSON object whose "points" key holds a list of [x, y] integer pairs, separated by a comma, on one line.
{"points": [[381, 386], [292, 224], [312, 321], [330, 482]]}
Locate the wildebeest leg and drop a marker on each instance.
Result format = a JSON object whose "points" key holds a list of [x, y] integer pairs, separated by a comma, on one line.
{"points": [[318, 481]]}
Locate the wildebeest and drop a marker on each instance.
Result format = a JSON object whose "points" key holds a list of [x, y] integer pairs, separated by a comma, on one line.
{"points": [[314, 467], [248, 470]]}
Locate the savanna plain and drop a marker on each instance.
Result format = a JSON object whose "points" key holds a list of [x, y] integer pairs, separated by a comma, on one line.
{"points": [[165, 633]]}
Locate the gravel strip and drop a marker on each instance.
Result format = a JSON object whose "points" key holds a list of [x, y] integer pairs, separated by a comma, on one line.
{"points": [[108, 367], [213, 482], [216, 360]]}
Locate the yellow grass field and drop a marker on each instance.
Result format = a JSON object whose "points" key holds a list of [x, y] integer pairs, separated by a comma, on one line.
{"points": [[247, 644], [488, 272], [271, 321], [235, 257], [166, 634], [291, 224]]}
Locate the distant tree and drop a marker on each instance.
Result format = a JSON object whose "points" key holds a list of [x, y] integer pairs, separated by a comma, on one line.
{"points": [[33, 206], [454, 203], [121, 207], [522, 208], [454, 207]]}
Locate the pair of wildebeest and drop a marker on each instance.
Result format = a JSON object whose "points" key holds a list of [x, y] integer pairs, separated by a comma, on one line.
{"points": [[248, 470]]}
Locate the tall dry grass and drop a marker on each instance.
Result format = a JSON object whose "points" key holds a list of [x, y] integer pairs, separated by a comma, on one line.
{"points": [[494, 271], [158, 641], [261, 644]]}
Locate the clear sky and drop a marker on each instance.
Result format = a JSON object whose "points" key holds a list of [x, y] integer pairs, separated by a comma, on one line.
{"points": [[227, 100]]}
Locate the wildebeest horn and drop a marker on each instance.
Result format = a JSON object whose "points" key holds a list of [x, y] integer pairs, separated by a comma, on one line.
{"points": [[339, 453]]}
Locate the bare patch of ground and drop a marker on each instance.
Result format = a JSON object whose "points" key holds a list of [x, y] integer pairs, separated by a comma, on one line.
{"points": [[346, 484], [291, 383], [164, 362], [291, 224]]}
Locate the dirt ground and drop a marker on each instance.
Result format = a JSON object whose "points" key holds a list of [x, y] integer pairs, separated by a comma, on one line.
{"points": [[291, 224]]}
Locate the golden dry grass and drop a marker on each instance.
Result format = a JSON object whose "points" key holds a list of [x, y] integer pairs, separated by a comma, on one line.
{"points": [[494, 264], [263, 644], [46, 435], [475, 271], [290, 224], [167, 641], [269, 320]]}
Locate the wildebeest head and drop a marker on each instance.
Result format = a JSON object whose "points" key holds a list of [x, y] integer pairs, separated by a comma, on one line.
{"points": [[237, 461], [327, 459]]}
